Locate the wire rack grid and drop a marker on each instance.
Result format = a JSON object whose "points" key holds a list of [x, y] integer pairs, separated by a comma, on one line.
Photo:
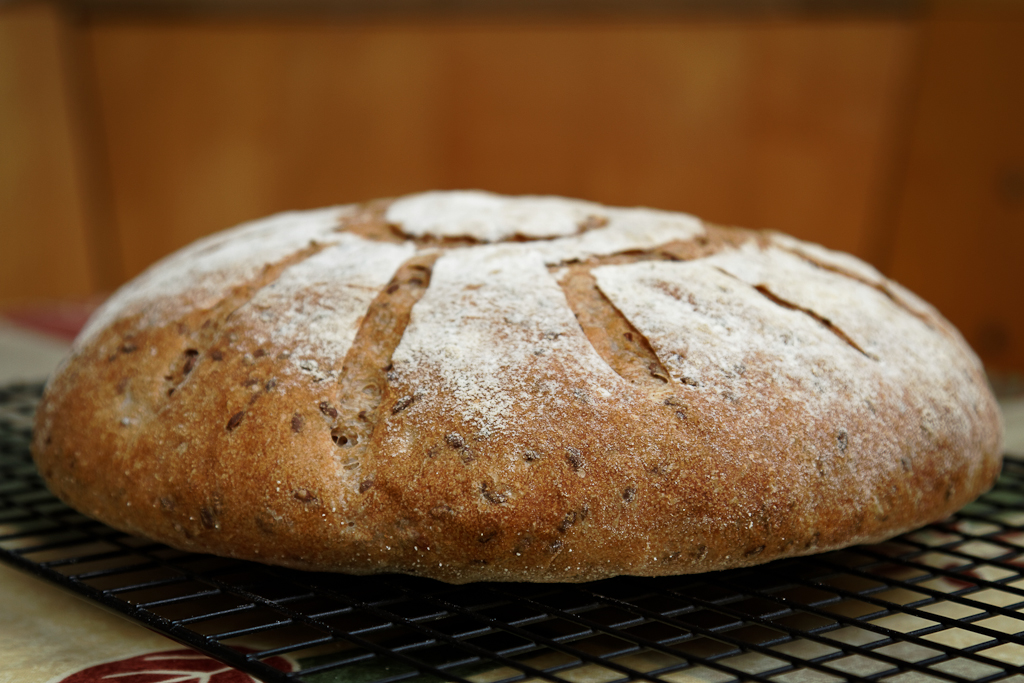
{"points": [[941, 604]]}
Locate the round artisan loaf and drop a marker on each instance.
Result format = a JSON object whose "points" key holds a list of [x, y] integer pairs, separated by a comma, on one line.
{"points": [[472, 387]]}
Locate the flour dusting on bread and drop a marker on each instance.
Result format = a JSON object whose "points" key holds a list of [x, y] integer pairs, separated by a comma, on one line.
{"points": [[472, 387], [491, 298], [488, 217], [314, 309], [198, 275]]}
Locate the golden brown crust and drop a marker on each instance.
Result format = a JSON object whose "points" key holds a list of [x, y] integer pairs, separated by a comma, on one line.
{"points": [[199, 423]]}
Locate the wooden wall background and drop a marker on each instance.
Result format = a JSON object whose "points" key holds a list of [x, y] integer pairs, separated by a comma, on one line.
{"points": [[895, 135]]}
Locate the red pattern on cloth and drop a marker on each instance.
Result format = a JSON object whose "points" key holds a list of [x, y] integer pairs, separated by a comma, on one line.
{"points": [[170, 666]]}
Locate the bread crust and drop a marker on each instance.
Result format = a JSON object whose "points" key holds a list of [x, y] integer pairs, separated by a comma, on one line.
{"points": [[547, 391]]}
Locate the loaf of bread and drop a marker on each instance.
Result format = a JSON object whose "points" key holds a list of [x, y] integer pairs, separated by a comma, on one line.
{"points": [[472, 387]]}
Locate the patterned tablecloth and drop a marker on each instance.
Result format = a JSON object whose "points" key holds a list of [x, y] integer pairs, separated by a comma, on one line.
{"points": [[47, 634]]}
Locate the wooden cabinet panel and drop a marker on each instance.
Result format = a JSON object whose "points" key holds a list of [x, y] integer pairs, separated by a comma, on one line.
{"points": [[209, 125], [959, 238], [897, 140], [783, 124], [43, 227]]}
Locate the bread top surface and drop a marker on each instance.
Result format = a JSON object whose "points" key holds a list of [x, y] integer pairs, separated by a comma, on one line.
{"points": [[474, 387]]}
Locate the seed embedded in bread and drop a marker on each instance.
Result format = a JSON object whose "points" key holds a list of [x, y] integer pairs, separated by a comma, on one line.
{"points": [[473, 387]]}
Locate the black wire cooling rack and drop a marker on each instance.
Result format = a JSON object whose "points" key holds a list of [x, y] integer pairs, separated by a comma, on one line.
{"points": [[939, 604]]}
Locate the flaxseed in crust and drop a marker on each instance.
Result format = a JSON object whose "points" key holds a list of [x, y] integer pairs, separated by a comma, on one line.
{"points": [[472, 387]]}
